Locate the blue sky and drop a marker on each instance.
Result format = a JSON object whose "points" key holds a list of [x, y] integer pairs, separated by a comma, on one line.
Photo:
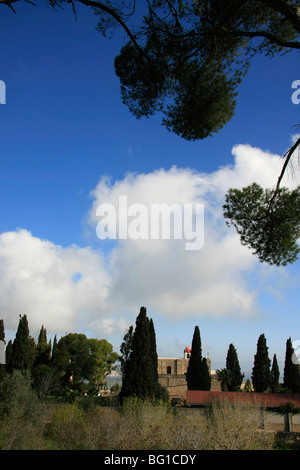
{"points": [[63, 130]]}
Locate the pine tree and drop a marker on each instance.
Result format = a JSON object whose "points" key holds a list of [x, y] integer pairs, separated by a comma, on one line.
{"points": [[261, 369], [197, 375], [233, 366], [275, 375], [291, 376], [139, 377]]}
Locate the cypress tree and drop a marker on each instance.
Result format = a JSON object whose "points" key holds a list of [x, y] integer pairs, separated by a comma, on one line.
{"points": [[139, 377], [54, 351], [22, 347], [233, 366], [206, 378], [2, 350], [153, 352], [2, 331], [194, 370], [197, 375], [291, 376], [275, 375], [8, 357], [43, 349], [261, 370], [126, 348]]}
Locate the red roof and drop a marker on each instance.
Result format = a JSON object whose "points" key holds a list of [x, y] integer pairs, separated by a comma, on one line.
{"points": [[272, 400]]}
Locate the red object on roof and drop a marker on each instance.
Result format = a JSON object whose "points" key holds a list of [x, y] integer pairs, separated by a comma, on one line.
{"points": [[187, 349], [270, 400]]}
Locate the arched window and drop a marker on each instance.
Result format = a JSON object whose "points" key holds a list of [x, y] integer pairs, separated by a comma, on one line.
{"points": [[169, 370]]}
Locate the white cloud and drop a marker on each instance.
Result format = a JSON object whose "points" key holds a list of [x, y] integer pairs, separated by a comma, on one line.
{"points": [[72, 289], [37, 279]]}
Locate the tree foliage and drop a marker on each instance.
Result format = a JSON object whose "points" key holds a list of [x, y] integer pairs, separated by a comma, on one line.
{"points": [[261, 378], [186, 58], [75, 361], [23, 347], [197, 375], [275, 374], [139, 363], [269, 226], [192, 56], [291, 375], [234, 370], [104, 359]]}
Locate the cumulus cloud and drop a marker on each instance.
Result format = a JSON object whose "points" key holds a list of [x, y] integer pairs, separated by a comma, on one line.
{"points": [[93, 289], [57, 287]]}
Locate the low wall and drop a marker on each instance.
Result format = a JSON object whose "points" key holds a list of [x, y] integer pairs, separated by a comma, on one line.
{"points": [[271, 420], [278, 422]]}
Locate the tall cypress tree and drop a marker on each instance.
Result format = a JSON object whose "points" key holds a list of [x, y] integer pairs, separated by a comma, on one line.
{"points": [[139, 377], [8, 357], [206, 378], [197, 375], [54, 351], [233, 366], [2, 350], [194, 370], [291, 375], [126, 348], [43, 349], [153, 352], [261, 370], [275, 375], [22, 346]]}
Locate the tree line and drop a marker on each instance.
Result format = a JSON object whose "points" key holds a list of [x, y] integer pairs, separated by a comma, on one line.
{"points": [[265, 375], [72, 363], [77, 364]]}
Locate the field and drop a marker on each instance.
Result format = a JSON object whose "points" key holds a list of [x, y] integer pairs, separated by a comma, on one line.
{"points": [[135, 426]]}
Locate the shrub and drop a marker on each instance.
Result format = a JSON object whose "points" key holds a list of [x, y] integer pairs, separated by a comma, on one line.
{"points": [[236, 427], [21, 413], [66, 428]]}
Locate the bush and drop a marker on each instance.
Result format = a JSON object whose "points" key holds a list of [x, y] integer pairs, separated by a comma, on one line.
{"points": [[236, 427], [137, 425], [66, 428], [143, 424], [21, 413]]}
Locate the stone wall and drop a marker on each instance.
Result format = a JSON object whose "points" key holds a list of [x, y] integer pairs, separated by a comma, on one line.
{"points": [[171, 375]]}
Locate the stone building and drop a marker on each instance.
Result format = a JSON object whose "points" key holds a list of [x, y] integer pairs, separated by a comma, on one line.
{"points": [[172, 374]]}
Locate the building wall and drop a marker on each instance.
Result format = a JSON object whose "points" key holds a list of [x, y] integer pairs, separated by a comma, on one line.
{"points": [[171, 375]]}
